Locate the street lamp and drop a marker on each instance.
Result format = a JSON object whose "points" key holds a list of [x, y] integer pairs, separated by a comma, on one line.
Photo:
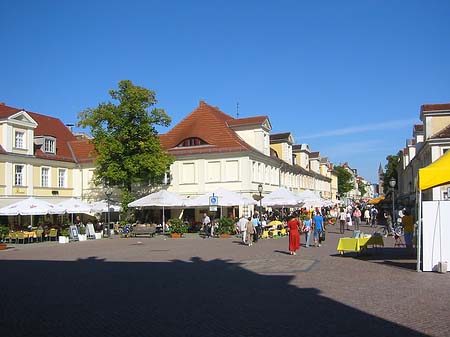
{"points": [[392, 183], [260, 190], [108, 193]]}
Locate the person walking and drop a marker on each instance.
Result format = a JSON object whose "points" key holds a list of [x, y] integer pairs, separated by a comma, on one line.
{"points": [[408, 228], [318, 228], [307, 230], [342, 221], [389, 229], [242, 225], [206, 222], [294, 234], [373, 215], [367, 217], [250, 229], [257, 226], [357, 218]]}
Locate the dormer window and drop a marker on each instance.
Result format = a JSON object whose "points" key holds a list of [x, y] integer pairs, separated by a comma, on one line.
{"points": [[49, 145], [194, 141], [19, 140]]}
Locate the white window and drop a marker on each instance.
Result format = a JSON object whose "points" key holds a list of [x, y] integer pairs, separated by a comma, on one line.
{"points": [[19, 140], [19, 171], [62, 178], [45, 174], [49, 145]]}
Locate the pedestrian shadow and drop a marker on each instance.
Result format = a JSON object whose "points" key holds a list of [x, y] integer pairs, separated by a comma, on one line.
{"points": [[282, 252], [93, 297]]}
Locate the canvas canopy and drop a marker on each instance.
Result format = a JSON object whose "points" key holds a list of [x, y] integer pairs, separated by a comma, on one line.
{"points": [[225, 198], [281, 197], [71, 206], [102, 207], [30, 206], [435, 174], [161, 198]]}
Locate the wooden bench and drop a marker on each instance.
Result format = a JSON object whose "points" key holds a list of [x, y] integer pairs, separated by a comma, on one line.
{"points": [[147, 230]]}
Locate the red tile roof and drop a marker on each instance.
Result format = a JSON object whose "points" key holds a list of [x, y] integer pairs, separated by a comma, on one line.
{"points": [[435, 107], [7, 111], [209, 124], [83, 150], [247, 120], [418, 127], [50, 126], [444, 133]]}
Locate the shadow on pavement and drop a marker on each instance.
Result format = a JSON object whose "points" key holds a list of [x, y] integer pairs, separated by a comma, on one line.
{"points": [[92, 297], [395, 257]]}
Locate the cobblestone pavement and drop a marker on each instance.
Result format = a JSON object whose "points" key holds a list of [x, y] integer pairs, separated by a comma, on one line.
{"points": [[217, 287]]}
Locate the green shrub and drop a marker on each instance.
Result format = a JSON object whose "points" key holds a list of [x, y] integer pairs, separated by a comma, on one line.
{"points": [[177, 226], [226, 226]]}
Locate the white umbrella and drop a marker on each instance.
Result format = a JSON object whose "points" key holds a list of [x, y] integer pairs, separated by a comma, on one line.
{"points": [[281, 197], [310, 199], [102, 207], [224, 197], [161, 199], [30, 206], [71, 205]]}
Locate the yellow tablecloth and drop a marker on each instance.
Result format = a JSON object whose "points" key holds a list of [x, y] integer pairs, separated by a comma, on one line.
{"points": [[356, 245]]}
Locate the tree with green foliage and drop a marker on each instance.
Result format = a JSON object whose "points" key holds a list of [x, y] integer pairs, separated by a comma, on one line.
{"points": [[362, 188], [125, 139], [390, 171], [344, 180]]}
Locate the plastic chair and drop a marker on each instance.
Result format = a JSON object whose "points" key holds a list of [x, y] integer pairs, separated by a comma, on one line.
{"points": [[39, 233], [21, 236], [53, 234], [265, 235], [283, 232]]}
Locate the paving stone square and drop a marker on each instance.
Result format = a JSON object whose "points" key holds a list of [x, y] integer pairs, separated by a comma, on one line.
{"points": [[217, 287]]}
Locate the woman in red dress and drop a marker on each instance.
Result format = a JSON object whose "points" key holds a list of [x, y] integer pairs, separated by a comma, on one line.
{"points": [[294, 234]]}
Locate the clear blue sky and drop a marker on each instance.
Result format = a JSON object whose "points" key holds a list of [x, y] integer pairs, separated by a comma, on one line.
{"points": [[347, 77]]}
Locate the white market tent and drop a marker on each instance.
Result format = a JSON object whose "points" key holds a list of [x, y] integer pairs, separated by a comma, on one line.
{"points": [[163, 199], [30, 206], [102, 207], [71, 206], [311, 199], [281, 197], [224, 198]]}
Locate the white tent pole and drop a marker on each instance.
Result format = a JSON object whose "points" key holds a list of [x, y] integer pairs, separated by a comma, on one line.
{"points": [[163, 220], [419, 232]]}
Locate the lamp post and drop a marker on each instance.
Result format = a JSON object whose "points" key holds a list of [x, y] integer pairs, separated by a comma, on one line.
{"points": [[392, 183], [260, 190], [108, 193]]}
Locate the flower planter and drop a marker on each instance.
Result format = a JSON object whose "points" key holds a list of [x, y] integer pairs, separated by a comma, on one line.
{"points": [[224, 236], [2, 246], [63, 239], [175, 235], [98, 236], [82, 237]]}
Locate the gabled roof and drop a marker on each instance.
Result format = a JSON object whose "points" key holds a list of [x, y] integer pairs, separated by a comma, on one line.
{"points": [[83, 150], [209, 124], [247, 120], [435, 107], [50, 126], [7, 111], [314, 155], [418, 127], [444, 133]]}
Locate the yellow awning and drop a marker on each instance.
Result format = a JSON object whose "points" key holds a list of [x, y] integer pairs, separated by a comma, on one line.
{"points": [[376, 200], [436, 173]]}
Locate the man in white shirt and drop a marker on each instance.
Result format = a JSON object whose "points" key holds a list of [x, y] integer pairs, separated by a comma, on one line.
{"points": [[242, 224], [206, 224]]}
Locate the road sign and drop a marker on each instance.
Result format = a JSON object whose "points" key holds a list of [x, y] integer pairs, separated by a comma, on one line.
{"points": [[213, 200]]}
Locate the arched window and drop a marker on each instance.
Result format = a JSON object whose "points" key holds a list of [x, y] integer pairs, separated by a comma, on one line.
{"points": [[194, 141]]}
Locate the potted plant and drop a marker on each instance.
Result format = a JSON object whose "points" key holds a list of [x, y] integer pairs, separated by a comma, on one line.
{"points": [[225, 227], [82, 233], [4, 231], [177, 228], [64, 236]]}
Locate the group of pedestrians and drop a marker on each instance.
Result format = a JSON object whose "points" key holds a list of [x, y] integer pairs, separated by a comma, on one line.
{"points": [[314, 225]]}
